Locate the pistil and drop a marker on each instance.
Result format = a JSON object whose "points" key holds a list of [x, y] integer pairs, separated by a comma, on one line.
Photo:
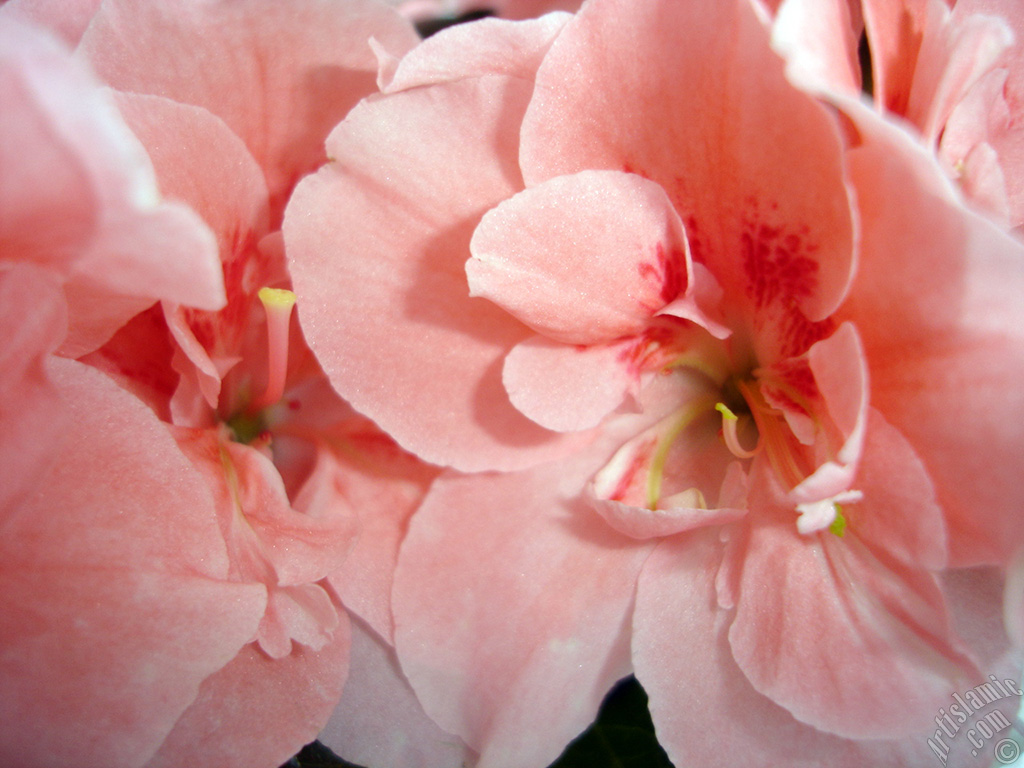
{"points": [[278, 304]]}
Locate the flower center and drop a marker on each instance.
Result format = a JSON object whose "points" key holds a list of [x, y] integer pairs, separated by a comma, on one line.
{"points": [[251, 425]]}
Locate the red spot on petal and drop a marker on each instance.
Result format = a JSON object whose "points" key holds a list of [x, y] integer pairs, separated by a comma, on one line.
{"points": [[778, 263], [667, 272]]}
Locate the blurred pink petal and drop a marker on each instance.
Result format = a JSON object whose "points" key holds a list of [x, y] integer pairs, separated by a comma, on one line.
{"points": [[33, 320], [114, 543], [78, 196]]}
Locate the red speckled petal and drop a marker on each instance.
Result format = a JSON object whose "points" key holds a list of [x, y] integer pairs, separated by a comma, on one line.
{"points": [[752, 165]]}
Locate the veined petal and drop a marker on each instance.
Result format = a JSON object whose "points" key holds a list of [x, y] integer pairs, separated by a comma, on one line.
{"points": [[702, 705], [848, 641]]}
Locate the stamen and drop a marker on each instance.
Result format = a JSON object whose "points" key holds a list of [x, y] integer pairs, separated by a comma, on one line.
{"points": [[686, 417], [826, 513], [774, 437], [732, 440], [278, 303]]}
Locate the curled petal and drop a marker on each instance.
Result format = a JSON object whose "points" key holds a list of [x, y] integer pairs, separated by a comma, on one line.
{"points": [[582, 259]]}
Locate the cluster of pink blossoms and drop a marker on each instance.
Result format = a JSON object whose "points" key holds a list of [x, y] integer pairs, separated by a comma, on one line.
{"points": [[408, 394]]}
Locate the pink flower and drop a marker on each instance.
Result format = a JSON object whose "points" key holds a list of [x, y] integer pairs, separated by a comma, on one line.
{"points": [[232, 102], [114, 578], [720, 395]]}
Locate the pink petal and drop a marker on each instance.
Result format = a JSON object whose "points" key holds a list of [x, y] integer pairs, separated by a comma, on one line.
{"points": [[67, 18], [199, 161], [954, 54], [138, 357], [489, 47], [1008, 135], [946, 365], [78, 195], [263, 530], [894, 31], [820, 41], [702, 705], [382, 486], [735, 154], [33, 320], [379, 271], [643, 523], [583, 258], [568, 388], [379, 720], [280, 77], [511, 610], [847, 641], [892, 477], [671, 451], [113, 588], [258, 711], [1013, 605]]}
